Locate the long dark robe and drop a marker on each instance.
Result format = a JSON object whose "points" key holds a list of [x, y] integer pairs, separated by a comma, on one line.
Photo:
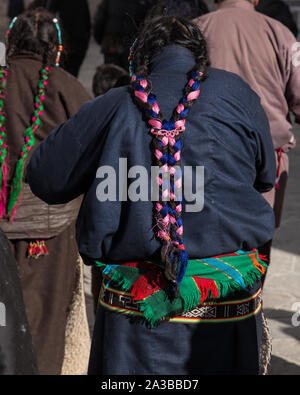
{"points": [[48, 284], [123, 345], [17, 356]]}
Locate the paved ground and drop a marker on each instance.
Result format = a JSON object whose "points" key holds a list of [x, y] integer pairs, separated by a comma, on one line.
{"points": [[282, 288]]}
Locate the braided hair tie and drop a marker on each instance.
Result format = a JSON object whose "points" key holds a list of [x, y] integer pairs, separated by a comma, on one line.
{"points": [[10, 197], [3, 147], [167, 143], [29, 141]]}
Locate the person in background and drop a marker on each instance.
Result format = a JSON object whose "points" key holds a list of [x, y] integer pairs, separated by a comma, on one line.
{"points": [[178, 113], [109, 76], [280, 11], [116, 23], [76, 24], [261, 50], [189, 9], [15, 7], [36, 95], [17, 355]]}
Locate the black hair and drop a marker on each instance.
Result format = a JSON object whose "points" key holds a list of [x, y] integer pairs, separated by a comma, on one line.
{"points": [[189, 9], [109, 76], [154, 36], [34, 31], [160, 32]]}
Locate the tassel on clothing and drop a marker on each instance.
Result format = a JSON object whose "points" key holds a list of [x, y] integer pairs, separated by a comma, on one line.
{"points": [[37, 248]]}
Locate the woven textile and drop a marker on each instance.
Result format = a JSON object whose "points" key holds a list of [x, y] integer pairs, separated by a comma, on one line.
{"points": [[205, 280]]}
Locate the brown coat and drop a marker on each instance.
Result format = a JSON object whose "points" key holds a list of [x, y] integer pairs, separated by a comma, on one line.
{"points": [[263, 52], [65, 95], [50, 282]]}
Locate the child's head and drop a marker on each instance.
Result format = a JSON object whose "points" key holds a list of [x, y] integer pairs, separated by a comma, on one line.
{"points": [[109, 76], [34, 31]]}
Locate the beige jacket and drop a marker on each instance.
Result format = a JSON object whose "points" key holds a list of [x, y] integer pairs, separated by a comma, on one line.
{"points": [[265, 54]]}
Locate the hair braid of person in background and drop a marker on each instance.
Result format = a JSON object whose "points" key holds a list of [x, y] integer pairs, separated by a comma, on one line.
{"points": [[167, 140], [34, 37], [3, 147]]}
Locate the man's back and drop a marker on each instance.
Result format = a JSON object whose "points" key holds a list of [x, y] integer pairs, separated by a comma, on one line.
{"points": [[260, 50], [280, 11]]}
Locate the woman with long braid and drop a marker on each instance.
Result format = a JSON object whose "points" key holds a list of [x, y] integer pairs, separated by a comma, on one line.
{"points": [[35, 96], [181, 289]]}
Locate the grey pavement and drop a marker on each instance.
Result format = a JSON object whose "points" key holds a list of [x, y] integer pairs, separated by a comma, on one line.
{"points": [[282, 287]]}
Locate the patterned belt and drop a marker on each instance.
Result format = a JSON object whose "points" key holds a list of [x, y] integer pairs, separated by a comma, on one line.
{"points": [[235, 310]]}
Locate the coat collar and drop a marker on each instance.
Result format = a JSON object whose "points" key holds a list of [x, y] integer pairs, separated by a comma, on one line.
{"points": [[28, 55], [246, 5], [173, 58]]}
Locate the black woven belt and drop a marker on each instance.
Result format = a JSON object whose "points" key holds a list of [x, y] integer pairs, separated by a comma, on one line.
{"points": [[235, 310]]}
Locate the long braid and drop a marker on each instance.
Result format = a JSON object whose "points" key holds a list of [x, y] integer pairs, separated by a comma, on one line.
{"points": [[192, 92], [167, 144], [167, 156], [35, 25], [29, 141], [3, 147]]}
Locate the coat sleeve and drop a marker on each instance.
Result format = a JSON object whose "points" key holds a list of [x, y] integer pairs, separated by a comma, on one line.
{"points": [[265, 158], [65, 163]]}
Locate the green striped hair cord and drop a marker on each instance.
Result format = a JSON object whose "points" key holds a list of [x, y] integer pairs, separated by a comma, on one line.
{"points": [[3, 147], [29, 138]]}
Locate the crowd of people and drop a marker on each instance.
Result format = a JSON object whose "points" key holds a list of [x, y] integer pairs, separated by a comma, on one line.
{"points": [[175, 292]]}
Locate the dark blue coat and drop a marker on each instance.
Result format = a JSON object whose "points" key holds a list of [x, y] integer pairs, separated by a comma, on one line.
{"points": [[227, 132]]}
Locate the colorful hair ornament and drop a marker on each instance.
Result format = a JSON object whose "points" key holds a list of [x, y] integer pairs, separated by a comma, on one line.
{"points": [[167, 142], [3, 147], [9, 201], [130, 60], [10, 197], [11, 25], [60, 46], [29, 139]]}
